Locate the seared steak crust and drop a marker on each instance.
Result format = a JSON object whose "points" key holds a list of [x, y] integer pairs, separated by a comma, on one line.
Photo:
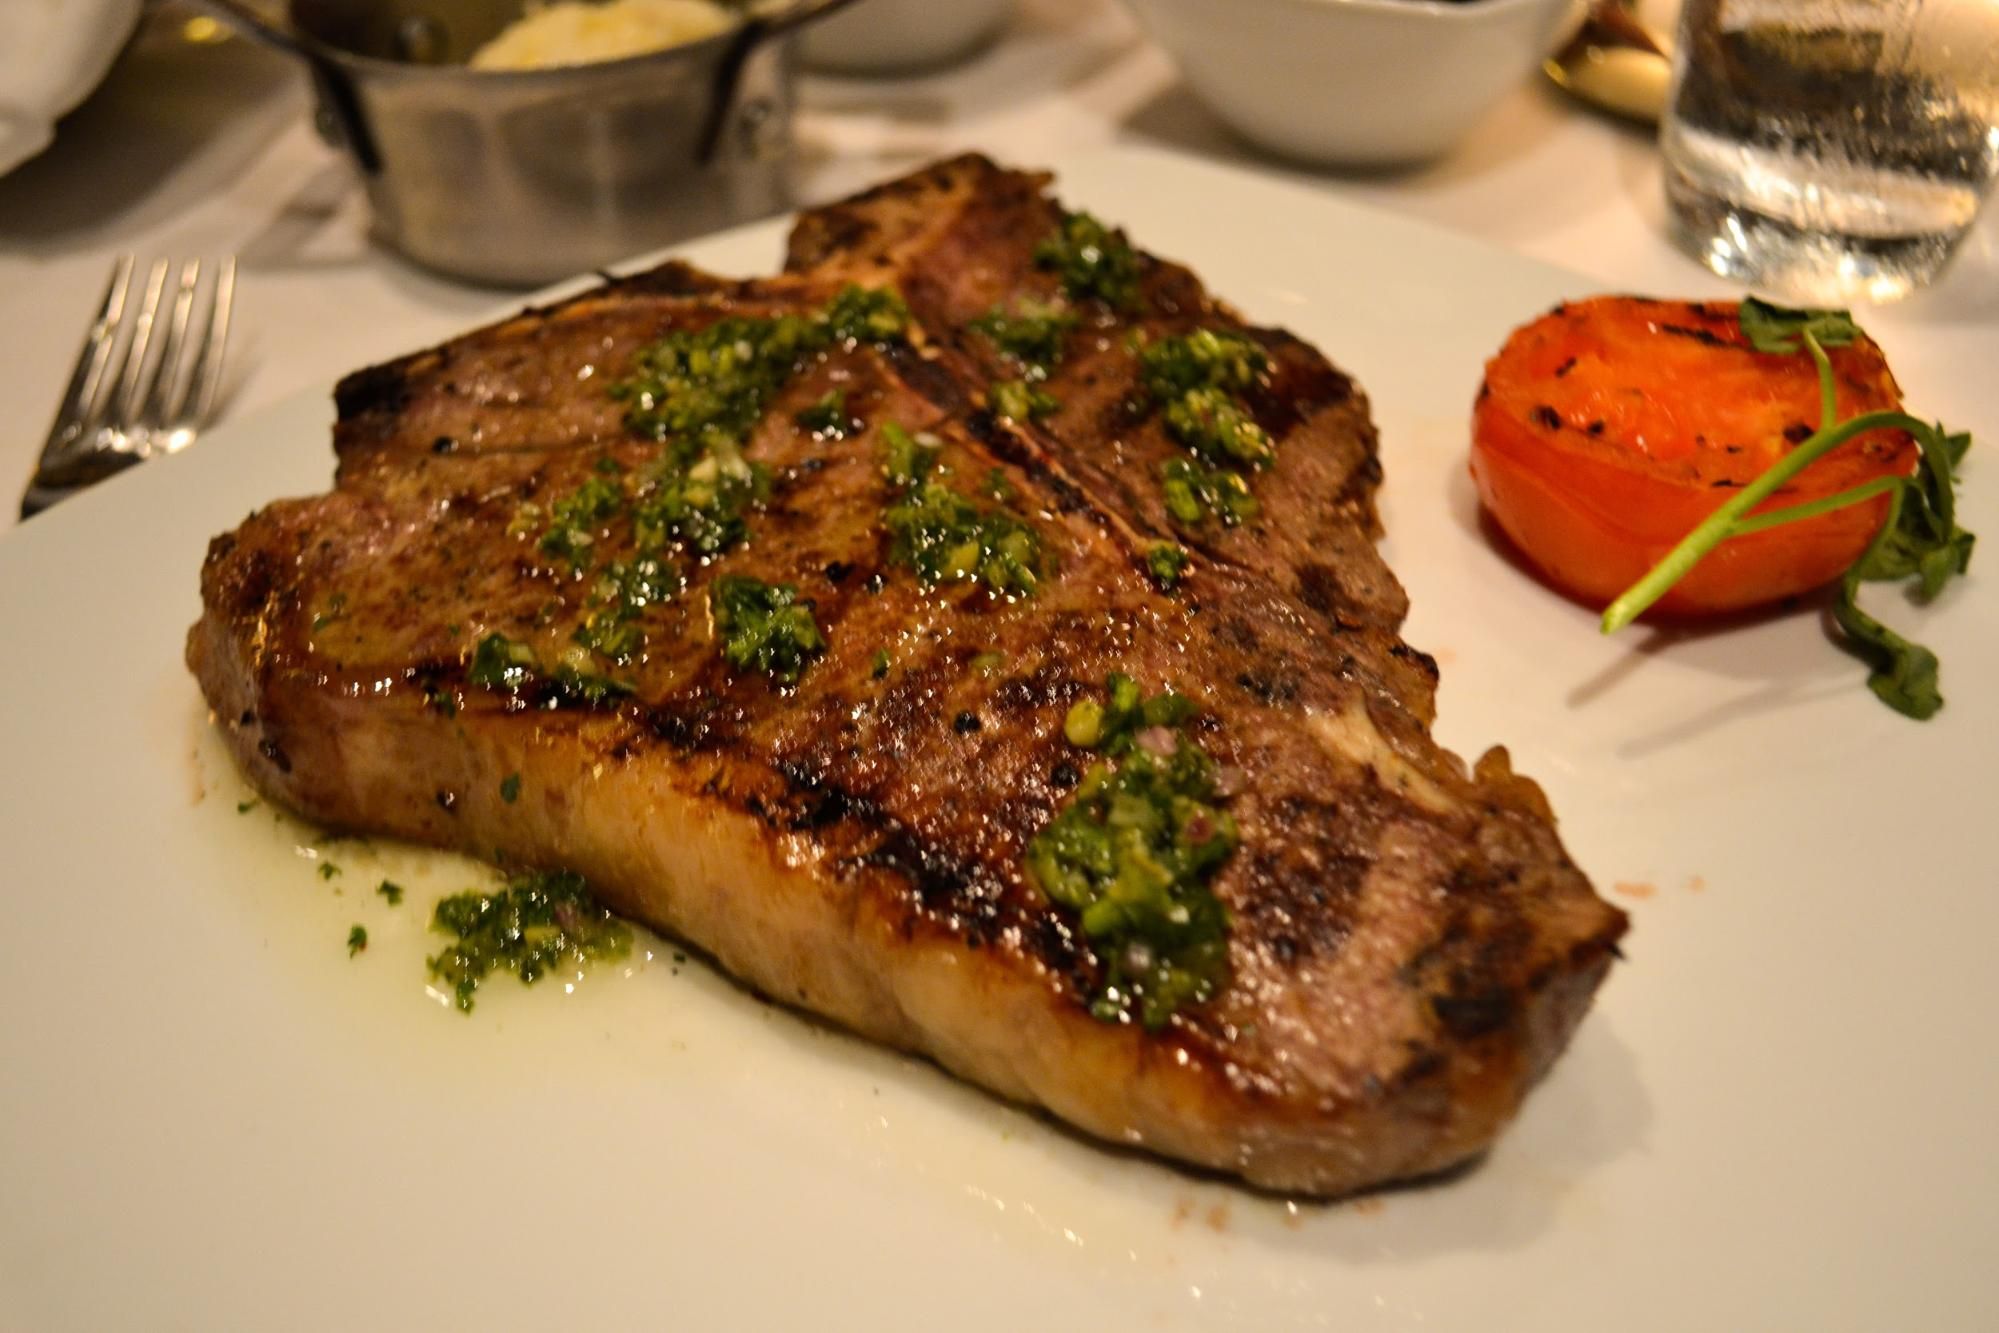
{"points": [[1409, 947]]}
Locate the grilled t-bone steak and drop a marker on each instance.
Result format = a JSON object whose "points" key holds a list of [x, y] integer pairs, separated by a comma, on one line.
{"points": [[1266, 927]]}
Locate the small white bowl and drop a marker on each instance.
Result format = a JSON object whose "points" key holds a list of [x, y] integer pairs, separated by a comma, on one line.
{"points": [[1355, 82], [893, 36]]}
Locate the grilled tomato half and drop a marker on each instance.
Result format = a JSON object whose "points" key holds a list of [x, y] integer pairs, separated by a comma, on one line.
{"points": [[1608, 429]]}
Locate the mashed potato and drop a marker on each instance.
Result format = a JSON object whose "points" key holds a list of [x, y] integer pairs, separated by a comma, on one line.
{"points": [[576, 33]]}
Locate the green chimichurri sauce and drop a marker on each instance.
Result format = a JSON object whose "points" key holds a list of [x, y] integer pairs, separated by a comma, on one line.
{"points": [[611, 627], [534, 924], [500, 663], [698, 393], [943, 535], [1034, 336], [1166, 562], [1134, 851], [827, 418], [765, 627], [1017, 400], [1092, 261], [1197, 380]]}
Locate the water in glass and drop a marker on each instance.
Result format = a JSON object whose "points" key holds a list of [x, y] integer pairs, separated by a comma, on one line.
{"points": [[1829, 151]]}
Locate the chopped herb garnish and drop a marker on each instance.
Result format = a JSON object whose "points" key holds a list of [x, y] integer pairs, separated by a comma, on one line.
{"points": [[944, 536], [1166, 562], [1133, 853], [441, 700], [720, 378], [499, 663], [390, 890], [537, 922], [1192, 490], [1034, 337], [245, 807], [510, 788], [1921, 538], [357, 939], [862, 314], [764, 626], [336, 609], [1017, 400], [611, 627], [1216, 426], [827, 418], [1197, 381], [881, 663], [327, 870], [1203, 359], [699, 494], [1092, 260], [906, 458], [701, 391], [577, 519]]}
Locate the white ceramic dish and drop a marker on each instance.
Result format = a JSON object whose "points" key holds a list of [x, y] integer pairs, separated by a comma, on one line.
{"points": [[1355, 82], [1777, 1117], [53, 53], [897, 36]]}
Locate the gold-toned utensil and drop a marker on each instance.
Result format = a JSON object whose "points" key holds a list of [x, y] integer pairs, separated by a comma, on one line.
{"points": [[1616, 63]]}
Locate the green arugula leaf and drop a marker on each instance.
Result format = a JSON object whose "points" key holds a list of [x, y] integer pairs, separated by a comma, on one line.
{"points": [[1781, 329]]}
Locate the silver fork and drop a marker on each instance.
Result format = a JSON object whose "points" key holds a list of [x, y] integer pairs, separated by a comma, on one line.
{"points": [[144, 385]]}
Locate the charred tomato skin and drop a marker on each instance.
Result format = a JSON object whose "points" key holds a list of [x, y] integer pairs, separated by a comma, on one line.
{"points": [[1608, 429]]}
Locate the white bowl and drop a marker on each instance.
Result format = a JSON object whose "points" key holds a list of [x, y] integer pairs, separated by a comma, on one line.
{"points": [[1360, 82], [53, 53], [889, 36]]}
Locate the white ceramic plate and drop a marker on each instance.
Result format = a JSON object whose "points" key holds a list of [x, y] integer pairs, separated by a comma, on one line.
{"points": [[1779, 1115]]}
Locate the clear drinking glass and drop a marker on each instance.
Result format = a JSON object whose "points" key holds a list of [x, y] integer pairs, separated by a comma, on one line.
{"points": [[1831, 151]]}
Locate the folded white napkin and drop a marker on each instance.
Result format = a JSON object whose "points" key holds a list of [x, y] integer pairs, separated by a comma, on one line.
{"points": [[52, 53]]}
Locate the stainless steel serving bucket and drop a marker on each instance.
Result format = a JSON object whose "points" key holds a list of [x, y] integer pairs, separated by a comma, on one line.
{"points": [[521, 177]]}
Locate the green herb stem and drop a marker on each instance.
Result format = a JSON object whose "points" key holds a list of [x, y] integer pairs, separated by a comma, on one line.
{"points": [[1797, 513], [1724, 522]]}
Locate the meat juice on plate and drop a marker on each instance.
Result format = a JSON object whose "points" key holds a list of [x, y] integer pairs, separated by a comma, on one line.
{"points": [[1831, 150]]}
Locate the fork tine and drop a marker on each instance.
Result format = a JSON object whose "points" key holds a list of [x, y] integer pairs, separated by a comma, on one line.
{"points": [[80, 403], [160, 401], [206, 376], [140, 369]]}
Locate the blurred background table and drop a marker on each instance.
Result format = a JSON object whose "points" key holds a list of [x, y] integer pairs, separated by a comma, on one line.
{"points": [[207, 147]]}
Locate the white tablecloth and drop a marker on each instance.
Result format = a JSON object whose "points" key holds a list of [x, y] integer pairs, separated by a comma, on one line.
{"points": [[207, 147]]}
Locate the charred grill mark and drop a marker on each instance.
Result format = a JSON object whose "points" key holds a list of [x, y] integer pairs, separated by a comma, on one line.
{"points": [[1468, 1017], [1006, 446], [950, 889], [1705, 337], [930, 378], [1301, 384], [1270, 690], [1320, 587], [1415, 657], [382, 390]]}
